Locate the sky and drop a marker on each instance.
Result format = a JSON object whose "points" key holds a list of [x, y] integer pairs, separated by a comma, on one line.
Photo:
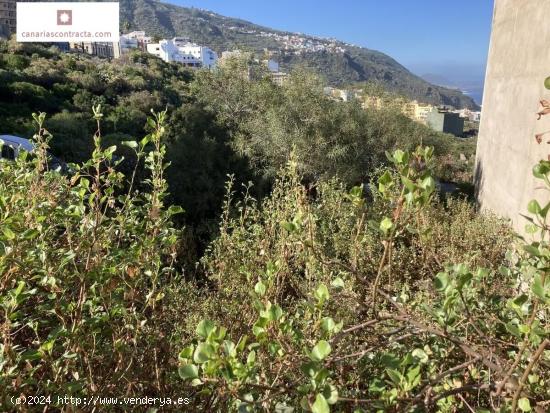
{"points": [[449, 38]]}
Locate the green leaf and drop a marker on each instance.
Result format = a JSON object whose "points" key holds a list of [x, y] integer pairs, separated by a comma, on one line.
{"points": [[19, 289], [464, 279], [541, 169], [275, 313], [428, 184], [547, 83], [385, 178], [524, 404], [229, 348], [322, 294], [337, 283], [320, 405], [258, 327], [30, 234], [31, 355], [513, 329], [174, 210], [413, 377], [395, 376], [442, 281], [260, 288], [130, 144], [520, 300], [534, 207], [385, 181], [8, 233], [251, 358], [320, 351], [110, 150], [408, 183], [328, 324], [356, 191], [204, 328], [189, 371], [538, 288], [47, 346], [420, 355], [151, 123], [386, 225], [186, 353], [399, 156], [531, 249], [203, 353], [289, 226], [330, 393]]}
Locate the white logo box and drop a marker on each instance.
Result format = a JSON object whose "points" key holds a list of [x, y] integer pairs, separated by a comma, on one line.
{"points": [[67, 22]]}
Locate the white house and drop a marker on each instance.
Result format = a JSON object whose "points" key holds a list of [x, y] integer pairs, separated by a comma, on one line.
{"points": [[182, 51]]}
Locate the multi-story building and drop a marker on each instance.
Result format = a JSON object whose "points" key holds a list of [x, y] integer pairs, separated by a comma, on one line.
{"points": [[275, 73], [412, 109], [421, 111], [408, 108], [107, 50], [134, 40], [7, 17], [182, 51]]}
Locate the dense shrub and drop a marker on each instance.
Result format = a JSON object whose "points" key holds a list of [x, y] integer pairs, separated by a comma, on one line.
{"points": [[317, 298], [85, 262], [324, 301]]}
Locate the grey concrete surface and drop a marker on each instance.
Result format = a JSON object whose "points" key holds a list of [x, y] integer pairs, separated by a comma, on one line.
{"points": [[519, 62]]}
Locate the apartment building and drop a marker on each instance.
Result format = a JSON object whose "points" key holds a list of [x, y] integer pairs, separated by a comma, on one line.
{"points": [[107, 50], [7, 18], [182, 50]]}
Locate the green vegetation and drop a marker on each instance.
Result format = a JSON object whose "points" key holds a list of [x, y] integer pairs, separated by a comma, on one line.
{"points": [[218, 123], [324, 274]]}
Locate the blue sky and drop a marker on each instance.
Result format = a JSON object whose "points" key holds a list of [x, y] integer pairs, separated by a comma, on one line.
{"points": [[446, 37]]}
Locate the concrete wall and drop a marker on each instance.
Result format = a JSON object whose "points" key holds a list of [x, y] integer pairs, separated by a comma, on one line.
{"points": [[435, 120], [519, 61], [454, 124], [447, 122]]}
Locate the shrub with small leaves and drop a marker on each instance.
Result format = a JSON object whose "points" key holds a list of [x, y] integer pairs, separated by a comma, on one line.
{"points": [[84, 264]]}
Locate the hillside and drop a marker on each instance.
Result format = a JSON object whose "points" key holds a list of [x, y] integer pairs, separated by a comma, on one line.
{"points": [[339, 62]]}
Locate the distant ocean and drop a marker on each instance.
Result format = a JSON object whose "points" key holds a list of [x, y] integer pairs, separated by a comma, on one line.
{"points": [[476, 94]]}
